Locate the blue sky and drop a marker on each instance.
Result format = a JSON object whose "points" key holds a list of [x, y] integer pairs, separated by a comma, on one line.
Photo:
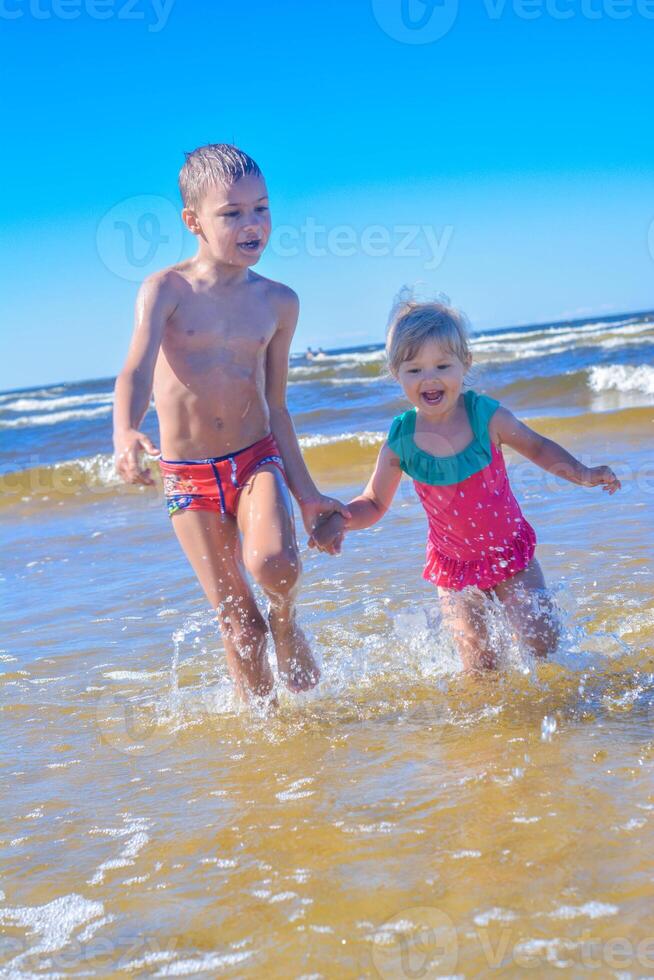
{"points": [[507, 162]]}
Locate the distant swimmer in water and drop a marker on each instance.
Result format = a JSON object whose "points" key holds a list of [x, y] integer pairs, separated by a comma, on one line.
{"points": [[480, 547], [320, 355], [212, 337], [309, 354]]}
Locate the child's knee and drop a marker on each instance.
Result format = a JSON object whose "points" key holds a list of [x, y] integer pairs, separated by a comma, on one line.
{"points": [[473, 644], [276, 572]]}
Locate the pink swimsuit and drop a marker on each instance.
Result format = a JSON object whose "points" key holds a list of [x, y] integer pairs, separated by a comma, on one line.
{"points": [[477, 533]]}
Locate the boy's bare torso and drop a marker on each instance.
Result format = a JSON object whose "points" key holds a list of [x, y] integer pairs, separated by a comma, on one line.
{"points": [[210, 374]]}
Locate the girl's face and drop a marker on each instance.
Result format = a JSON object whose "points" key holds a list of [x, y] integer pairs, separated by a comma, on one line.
{"points": [[433, 379]]}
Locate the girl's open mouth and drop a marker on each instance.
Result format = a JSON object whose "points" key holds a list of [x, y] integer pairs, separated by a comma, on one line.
{"points": [[432, 397], [250, 246]]}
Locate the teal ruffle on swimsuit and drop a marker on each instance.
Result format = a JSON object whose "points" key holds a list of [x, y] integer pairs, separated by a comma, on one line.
{"points": [[445, 470]]}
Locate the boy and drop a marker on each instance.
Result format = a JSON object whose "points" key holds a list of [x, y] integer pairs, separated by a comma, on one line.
{"points": [[212, 340]]}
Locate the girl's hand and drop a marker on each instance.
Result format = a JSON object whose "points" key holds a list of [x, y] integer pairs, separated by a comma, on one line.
{"points": [[328, 535], [602, 475]]}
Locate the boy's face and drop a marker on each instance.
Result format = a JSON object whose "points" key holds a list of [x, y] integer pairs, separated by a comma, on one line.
{"points": [[233, 220]]}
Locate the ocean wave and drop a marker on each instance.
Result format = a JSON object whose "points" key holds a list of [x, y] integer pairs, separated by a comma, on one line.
{"points": [[487, 347], [358, 438], [55, 404], [347, 380], [55, 390], [611, 342], [629, 325], [353, 369], [534, 343], [95, 476], [345, 457], [622, 377], [51, 418], [353, 357]]}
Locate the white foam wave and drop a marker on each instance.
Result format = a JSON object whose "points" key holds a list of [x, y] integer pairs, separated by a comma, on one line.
{"points": [[302, 372], [53, 417], [619, 326], [622, 377], [53, 923], [56, 404], [206, 963], [622, 341], [97, 472], [7, 395], [363, 438], [365, 357], [593, 910], [369, 379], [556, 340]]}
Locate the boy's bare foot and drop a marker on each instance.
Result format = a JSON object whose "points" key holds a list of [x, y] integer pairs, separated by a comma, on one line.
{"points": [[295, 661]]}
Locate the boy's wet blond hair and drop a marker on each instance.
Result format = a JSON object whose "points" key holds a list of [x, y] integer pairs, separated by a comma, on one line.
{"points": [[215, 163], [413, 324]]}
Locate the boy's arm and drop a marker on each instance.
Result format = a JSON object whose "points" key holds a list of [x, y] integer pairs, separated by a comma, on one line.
{"points": [[547, 454], [366, 509], [133, 389], [312, 503]]}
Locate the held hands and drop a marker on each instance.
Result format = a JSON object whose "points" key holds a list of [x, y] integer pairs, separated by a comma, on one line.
{"points": [[328, 534], [604, 476], [318, 511], [128, 447]]}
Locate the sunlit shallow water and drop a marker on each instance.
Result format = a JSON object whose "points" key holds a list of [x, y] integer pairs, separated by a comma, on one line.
{"points": [[402, 820]]}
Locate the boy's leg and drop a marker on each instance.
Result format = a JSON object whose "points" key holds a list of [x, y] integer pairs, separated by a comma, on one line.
{"points": [[530, 609], [212, 545], [465, 616], [270, 553]]}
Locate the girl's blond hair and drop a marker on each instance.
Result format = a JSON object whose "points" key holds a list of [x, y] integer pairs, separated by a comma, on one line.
{"points": [[413, 323]]}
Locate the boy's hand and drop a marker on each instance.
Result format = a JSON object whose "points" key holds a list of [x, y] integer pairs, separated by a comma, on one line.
{"points": [[328, 534], [602, 475], [128, 447], [320, 508]]}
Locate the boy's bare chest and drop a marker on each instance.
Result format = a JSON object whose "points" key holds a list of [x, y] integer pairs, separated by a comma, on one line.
{"points": [[205, 326]]}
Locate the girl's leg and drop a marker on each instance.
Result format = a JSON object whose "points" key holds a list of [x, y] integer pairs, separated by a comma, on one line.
{"points": [[465, 616], [531, 609]]}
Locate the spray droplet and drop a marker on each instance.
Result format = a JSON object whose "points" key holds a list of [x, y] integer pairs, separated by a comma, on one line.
{"points": [[547, 728]]}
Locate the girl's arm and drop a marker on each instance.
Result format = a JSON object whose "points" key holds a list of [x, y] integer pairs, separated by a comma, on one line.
{"points": [[548, 454], [366, 509]]}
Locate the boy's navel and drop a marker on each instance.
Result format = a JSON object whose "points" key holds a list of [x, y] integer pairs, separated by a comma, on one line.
{"points": [[218, 423]]}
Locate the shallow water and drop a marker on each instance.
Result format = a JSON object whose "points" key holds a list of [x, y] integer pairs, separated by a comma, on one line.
{"points": [[400, 821]]}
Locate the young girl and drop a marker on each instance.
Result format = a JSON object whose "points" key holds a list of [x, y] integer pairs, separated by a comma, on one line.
{"points": [[479, 544]]}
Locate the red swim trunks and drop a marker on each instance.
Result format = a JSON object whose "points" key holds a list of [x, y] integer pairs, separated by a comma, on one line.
{"points": [[215, 484]]}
